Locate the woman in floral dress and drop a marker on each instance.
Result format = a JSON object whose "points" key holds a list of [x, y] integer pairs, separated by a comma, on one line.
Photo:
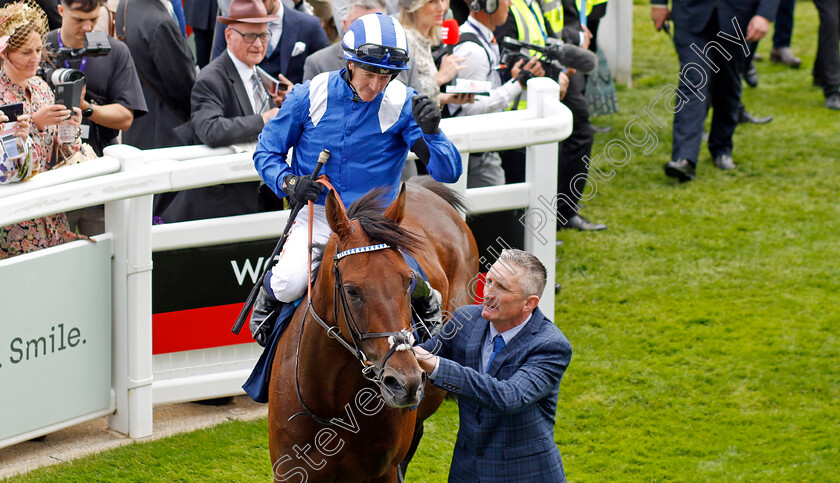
{"points": [[21, 28]]}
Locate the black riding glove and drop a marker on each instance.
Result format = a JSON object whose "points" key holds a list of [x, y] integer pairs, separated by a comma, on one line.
{"points": [[523, 77], [301, 188], [426, 114]]}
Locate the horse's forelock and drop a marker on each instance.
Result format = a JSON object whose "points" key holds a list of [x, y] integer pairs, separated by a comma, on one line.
{"points": [[368, 211]]}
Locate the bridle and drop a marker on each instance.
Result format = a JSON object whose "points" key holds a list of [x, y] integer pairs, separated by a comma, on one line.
{"points": [[398, 341], [401, 340]]}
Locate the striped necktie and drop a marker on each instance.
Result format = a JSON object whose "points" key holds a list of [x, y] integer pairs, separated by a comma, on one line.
{"points": [[498, 345], [260, 94]]}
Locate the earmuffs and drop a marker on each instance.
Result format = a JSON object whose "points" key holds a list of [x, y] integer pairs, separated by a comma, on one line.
{"points": [[489, 6]]}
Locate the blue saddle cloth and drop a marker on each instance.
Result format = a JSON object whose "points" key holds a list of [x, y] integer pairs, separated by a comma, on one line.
{"points": [[257, 384]]}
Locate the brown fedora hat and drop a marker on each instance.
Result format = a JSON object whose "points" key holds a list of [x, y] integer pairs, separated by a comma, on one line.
{"points": [[247, 11]]}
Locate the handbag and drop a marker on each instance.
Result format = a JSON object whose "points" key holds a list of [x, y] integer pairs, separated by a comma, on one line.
{"points": [[600, 89]]}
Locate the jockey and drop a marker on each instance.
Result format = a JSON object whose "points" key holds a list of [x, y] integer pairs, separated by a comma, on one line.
{"points": [[368, 120]]}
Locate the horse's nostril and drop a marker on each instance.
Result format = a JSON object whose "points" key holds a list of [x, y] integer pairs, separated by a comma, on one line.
{"points": [[393, 384]]}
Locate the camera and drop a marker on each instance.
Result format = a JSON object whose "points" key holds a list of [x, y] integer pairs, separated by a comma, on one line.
{"points": [[52, 71]]}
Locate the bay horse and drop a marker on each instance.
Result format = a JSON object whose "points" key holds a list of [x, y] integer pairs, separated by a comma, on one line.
{"points": [[345, 385]]}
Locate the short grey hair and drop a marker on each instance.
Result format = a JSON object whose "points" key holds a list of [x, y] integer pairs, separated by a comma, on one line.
{"points": [[532, 280], [367, 5]]}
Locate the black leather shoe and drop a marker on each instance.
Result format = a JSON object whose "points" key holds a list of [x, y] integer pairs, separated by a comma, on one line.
{"points": [[751, 75], [833, 102], [744, 117], [580, 223], [682, 169], [783, 55], [724, 161]]}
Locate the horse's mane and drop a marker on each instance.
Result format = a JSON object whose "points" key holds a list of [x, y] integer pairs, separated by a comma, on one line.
{"points": [[454, 199], [369, 209]]}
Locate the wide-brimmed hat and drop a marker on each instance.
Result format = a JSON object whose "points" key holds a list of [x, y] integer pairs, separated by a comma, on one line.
{"points": [[246, 11]]}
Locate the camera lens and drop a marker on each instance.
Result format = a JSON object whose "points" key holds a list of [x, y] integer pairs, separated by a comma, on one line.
{"points": [[60, 76]]}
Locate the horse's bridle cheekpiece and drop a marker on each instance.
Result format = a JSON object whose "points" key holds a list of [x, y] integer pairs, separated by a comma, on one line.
{"points": [[402, 340]]}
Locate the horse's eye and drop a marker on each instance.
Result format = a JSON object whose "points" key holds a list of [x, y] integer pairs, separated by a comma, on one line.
{"points": [[352, 293]]}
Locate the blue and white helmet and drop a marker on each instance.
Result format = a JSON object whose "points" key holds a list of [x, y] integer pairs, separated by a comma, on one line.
{"points": [[377, 43]]}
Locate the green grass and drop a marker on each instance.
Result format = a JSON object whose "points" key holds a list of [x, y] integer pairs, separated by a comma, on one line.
{"points": [[704, 322]]}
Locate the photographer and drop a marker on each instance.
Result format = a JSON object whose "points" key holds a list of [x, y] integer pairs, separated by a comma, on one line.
{"points": [[113, 95], [527, 24], [482, 62]]}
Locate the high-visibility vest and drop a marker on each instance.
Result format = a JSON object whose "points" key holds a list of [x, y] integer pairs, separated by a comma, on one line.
{"points": [[530, 24], [553, 14], [589, 5]]}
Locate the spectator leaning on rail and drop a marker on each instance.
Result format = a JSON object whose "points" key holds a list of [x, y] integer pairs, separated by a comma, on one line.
{"points": [[368, 121], [294, 37], [504, 361], [21, 27], [482, 62], [527, 22], [230, 105]]}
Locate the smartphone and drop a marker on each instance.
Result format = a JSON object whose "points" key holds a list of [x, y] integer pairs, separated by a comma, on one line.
{"points": [[12, 111]]}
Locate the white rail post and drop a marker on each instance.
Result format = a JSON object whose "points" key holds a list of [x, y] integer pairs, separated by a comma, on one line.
{"points": [[130, 222], [541, 176]]}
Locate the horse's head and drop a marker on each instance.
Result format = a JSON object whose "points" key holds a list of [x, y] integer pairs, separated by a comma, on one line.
{"points": [[372, 301]]}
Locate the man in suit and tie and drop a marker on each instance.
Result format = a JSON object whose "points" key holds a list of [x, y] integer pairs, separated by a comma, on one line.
{"points": [[294, 37], [712, 39], [504, 359], [230, 104]]}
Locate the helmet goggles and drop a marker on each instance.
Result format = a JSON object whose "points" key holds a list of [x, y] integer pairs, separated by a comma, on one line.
{"points": [[380, 54]]}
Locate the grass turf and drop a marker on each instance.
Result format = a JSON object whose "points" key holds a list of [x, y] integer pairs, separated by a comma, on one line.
{"points": [[704, 322]]}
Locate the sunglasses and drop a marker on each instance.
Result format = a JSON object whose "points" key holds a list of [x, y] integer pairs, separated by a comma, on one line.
{"points": [[379, 53], [251, 38]]}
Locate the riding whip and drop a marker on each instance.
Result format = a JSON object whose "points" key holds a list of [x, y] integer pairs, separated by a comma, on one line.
{"points": [[252, 297]]}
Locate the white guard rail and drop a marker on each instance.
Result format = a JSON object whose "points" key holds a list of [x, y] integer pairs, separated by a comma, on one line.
{"points": [[125, 180]]}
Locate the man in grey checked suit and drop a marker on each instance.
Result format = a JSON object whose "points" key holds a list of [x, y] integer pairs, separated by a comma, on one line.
{"points": [[230, 105], [504, 359]]}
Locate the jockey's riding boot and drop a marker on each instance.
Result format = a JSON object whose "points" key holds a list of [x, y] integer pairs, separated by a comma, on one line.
{"points": [[428, 304], [263, 316]]}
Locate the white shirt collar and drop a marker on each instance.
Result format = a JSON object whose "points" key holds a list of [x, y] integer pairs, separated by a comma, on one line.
{"points": [[510, 333], [242, 68]]}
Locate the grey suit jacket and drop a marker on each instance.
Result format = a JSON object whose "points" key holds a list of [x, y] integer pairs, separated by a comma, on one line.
{"points": [[221, 116], [221, 111]]}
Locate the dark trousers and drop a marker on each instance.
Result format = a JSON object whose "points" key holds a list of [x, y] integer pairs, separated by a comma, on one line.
{"points": [[783, 30], [203, 46], [827, 62], [592, 22], [719, 90]]}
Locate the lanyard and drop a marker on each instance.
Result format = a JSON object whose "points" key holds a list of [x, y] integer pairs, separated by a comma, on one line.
{"points": [[537, 18], [67, 62], [582, 13], [488, 43]]}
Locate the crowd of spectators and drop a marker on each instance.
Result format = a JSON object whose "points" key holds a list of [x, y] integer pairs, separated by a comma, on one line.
{"points": [[154, 90]]}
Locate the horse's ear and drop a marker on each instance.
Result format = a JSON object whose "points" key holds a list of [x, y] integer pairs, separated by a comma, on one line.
{"points": [[337, 218], [396, 211]]}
